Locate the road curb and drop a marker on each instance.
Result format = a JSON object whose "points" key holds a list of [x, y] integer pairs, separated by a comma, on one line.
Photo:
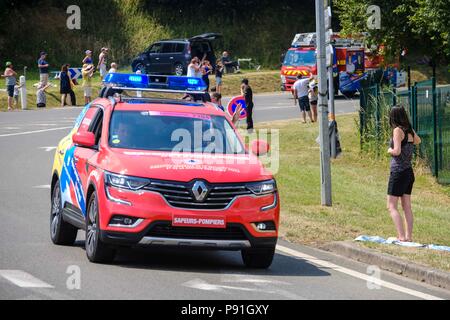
{"points": [[386, 262]]}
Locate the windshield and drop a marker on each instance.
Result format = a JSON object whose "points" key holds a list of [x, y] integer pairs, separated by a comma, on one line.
{"points": [[171, 131], [296, 58]]}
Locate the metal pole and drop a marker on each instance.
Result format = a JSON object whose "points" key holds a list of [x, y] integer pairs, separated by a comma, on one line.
{"points": [[324, 137]]}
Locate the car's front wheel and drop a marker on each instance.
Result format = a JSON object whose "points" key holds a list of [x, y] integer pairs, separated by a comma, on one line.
{"points": [[61, 232], [140, 67], [96, 250], [260, 258]]}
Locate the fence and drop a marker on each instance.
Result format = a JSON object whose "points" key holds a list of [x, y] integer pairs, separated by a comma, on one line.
{"points": [[429, 110]]}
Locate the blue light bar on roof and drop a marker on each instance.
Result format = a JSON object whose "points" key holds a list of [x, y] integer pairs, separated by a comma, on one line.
{"points": [[144, 81], [127, 80]]}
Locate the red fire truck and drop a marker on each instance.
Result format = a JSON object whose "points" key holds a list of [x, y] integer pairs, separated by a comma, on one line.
{"points": [[348, 64]]}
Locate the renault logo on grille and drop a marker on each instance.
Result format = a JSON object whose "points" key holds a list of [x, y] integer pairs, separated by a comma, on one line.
{"points": [[200, 190]]}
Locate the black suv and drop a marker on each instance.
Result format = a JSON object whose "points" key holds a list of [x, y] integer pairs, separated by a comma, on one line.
{"points": [[174, 56]]}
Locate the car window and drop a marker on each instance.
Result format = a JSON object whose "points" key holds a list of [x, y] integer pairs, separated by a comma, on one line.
{"points": [[156, 48], [166, 131], [88, 118], [167, 47], [97, 125], [179, 47]]}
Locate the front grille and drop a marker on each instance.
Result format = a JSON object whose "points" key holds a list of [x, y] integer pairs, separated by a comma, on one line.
{"points": [[180, 195], [165, 230]]}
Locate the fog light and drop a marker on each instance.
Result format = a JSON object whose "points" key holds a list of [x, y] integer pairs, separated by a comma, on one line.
{"points": [[124, 222], [127, 221], [261, 226]]}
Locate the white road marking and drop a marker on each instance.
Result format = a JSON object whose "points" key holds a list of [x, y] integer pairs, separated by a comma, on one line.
{"points": [[11, 128], [44, 186], [48, 149], [355, 274], [24, 280], [32, 132], [203, 285]]}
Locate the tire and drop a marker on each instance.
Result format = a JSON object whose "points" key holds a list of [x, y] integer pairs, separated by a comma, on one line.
{"points": [[141, 68], [96, 250], [61, 232], [178, 69], [258, 258]]}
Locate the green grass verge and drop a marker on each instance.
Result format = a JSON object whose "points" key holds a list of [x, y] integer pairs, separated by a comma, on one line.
{"points": [[261, 81], [359, 191]]}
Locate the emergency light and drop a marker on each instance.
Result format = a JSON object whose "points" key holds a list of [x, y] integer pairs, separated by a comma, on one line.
{"points": [[157, 82]]}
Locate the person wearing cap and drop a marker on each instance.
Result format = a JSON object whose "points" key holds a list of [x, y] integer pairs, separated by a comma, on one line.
{"points": [[87, 73], [102, 62], [10, 77], [301, 89], [313, 95], [43, 68], [88, 58]]}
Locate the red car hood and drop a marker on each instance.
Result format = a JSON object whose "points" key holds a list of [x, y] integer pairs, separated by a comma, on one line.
{"points": [[186, 167]]}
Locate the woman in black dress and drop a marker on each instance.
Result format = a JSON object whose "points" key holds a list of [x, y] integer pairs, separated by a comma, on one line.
{"points": [[65, 87]]}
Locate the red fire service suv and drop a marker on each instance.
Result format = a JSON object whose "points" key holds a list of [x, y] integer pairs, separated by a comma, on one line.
{"points": [[162, 172]]}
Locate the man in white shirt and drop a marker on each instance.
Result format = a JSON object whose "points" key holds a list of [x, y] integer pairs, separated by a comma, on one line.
{"points": [[301, 88]]}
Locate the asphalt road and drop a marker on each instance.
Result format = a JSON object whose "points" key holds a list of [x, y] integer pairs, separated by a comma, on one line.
{"points": [[31, 267]]}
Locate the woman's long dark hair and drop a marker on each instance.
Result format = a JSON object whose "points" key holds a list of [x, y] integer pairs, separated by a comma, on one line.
{"points": [[398, 118]]}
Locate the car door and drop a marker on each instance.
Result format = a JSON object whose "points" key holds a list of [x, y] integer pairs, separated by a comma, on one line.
{"points": [[167, 58], [154, 58], [92, 123]]}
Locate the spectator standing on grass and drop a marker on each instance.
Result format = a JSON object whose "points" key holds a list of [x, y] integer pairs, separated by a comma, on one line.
{"points": [[313, 95], [43, 68], [206, 71], [102, 62], [247, 93], [301, 88], [194, 68], [10, 77], [87, 73], [88, 58], [16, 93], [64, 81], [219, 75], [41, 98], [401, 178]]}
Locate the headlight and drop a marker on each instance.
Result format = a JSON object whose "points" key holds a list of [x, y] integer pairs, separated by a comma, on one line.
{"points": [[263, 187], [283, 79], [125, 182]]}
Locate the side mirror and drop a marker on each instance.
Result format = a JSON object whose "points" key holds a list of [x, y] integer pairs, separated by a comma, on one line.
{"points": [[84, 139], [260, 147]]}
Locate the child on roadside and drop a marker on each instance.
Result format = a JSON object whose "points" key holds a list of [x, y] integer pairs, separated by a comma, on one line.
{"points": [[41, 98], [219, 75], [16, 93], [87, 73], [113, 68]]}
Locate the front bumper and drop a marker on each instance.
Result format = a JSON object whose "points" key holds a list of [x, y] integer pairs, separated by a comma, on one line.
{"points": [[239, 238]]}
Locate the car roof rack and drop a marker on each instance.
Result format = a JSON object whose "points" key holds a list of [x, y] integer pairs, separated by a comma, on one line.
{"points": [[116, 83]]}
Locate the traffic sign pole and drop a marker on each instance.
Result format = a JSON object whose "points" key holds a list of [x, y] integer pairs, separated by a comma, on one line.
{"points": [[325, 172]]}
